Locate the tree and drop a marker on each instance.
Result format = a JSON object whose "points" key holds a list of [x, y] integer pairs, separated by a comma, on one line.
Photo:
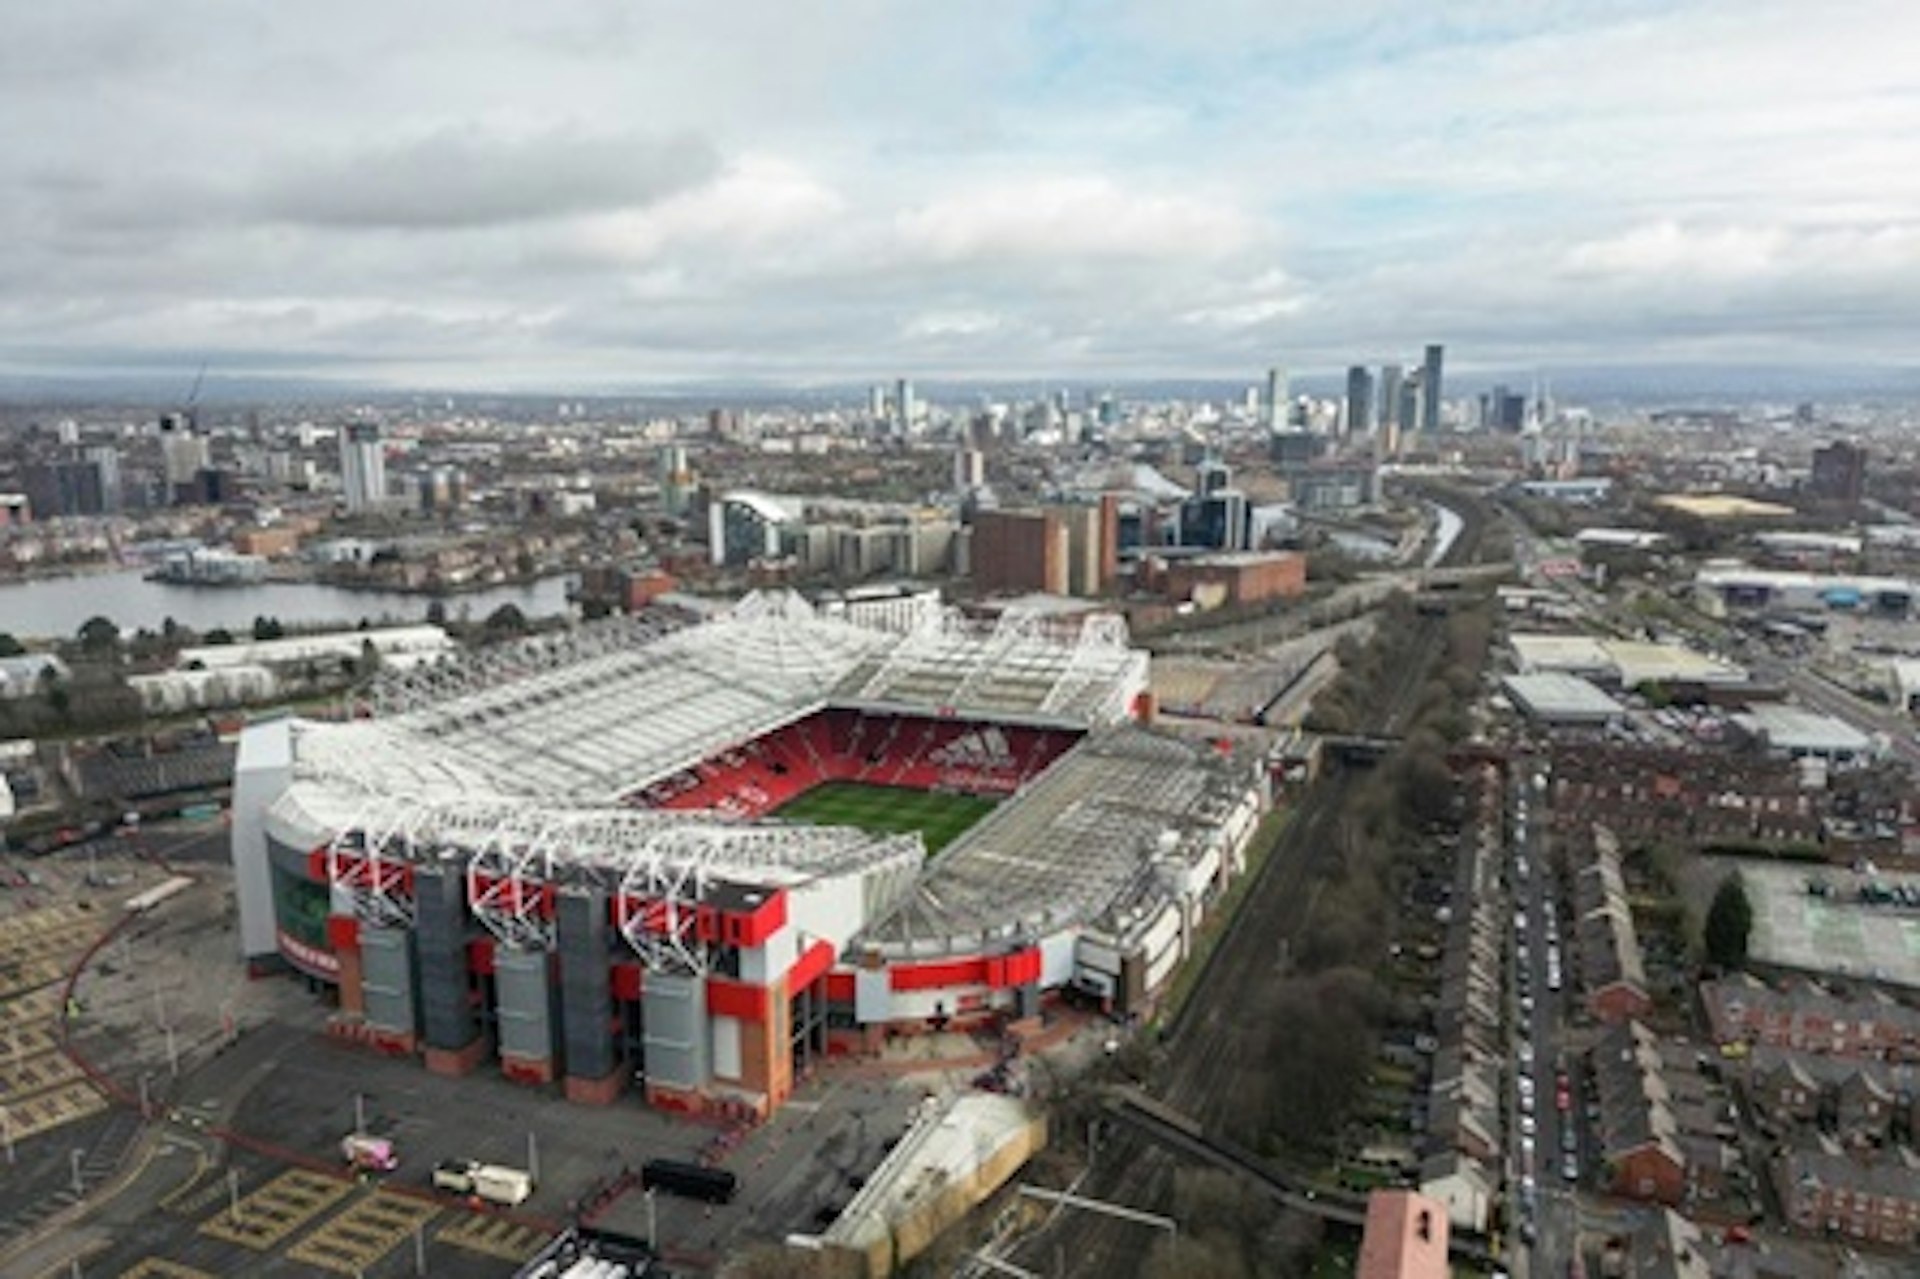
{"points": [[1729, 923], [436, 613], [98, 635], [219, 635], [9, 646], [268, 628], [506, 620]]}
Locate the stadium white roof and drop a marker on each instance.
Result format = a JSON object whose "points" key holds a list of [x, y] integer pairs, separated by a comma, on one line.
{"points": [[577, 720], [1104, 826]]}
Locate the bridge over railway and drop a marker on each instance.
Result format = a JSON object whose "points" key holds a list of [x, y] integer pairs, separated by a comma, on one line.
{"points": [[1184, 1135]]}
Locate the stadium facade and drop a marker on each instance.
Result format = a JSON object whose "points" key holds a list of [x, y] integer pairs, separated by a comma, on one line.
{"points": [[565, 855]]}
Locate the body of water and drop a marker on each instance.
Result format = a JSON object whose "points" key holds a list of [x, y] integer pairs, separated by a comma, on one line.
{"points": [[58, 606]]}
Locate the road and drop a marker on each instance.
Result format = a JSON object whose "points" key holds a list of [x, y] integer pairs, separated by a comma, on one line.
{"points": [[1544, 1121]]}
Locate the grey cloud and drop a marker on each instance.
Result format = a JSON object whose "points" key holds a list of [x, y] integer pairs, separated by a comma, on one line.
{"points": [[462, 178]]}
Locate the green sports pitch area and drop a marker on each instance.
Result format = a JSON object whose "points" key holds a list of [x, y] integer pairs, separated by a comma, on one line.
{"points": [[939, 817]]}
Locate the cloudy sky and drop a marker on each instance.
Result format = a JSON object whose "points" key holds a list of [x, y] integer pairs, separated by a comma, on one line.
{"points": [[588, 195]]}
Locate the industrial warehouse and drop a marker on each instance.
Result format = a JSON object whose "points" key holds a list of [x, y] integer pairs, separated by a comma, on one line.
{"points": [[575, 858]]}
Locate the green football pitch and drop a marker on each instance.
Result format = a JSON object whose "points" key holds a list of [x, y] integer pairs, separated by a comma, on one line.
{"points": [[940, 818]]}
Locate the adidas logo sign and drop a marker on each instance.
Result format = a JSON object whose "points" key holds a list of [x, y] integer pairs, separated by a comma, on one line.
{"points": [[985, 748]]}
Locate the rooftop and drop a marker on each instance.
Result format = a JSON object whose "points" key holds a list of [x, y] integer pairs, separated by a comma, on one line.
{"points": [[1722, 506], [1093, 840], [1557, 696], [1803, 732]]}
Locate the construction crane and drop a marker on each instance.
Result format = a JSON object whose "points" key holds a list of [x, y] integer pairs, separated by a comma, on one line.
{"points": [[193, 398]]}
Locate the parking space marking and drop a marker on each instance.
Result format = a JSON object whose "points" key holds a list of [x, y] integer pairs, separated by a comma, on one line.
{"points": [[492, 1236], [276, 1210], [367, 1230], [161, 1268], [45, 1110]]}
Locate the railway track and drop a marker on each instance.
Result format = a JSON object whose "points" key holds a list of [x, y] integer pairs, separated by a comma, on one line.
{"points": [[1210, 1045]]}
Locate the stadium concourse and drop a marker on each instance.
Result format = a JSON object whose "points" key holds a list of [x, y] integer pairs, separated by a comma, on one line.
{"points": [[568, 855]]}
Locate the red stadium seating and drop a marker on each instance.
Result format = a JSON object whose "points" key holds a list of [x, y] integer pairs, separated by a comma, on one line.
{"points": [[915, 751]]}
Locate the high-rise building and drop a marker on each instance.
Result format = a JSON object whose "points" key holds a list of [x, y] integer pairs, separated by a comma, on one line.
{"points": [[1390, 376], [363, 465], [903, 407], [1020, 551], [442, 489], [184, 453], [1840, 472], [969, 470], [1277, 397], [675, 478], [1412, 402], [1359, 400], [1430, 389], [877, 402], [106, 458], [65, 489]]}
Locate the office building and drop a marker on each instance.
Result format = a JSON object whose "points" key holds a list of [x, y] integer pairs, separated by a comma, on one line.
{"points": [[1359, 400], [904, 409], [1430, 389], [1840, 472], [1502, 410], [106, 459], [744, 526], [1412, 401], [1018, 551], [69, 488], [1389, 395], [363, 466], [1277, 397]]}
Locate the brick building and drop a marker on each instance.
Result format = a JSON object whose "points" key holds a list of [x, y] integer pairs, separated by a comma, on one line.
{"points": [[1805, 1015], [1405, 1237], [1246, 577], [1637, 1130], [1015, 551], [1826, 1190]]}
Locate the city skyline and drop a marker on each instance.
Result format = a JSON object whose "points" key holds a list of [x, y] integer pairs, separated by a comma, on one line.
{"points": [[608, 197]]}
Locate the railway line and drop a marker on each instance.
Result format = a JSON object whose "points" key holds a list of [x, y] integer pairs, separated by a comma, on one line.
{"points": [[1210, 1047]]}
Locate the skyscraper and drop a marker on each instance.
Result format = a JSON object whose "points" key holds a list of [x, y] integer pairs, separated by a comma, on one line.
{"points": [[1359, 400], [1390, 375], [1430, 390], [107, 459], [903, 407], [676, 479], [363, 465], [1277, 397]]}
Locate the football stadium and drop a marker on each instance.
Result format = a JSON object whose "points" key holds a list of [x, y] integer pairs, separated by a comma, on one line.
{"points": [[692, 855]]}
